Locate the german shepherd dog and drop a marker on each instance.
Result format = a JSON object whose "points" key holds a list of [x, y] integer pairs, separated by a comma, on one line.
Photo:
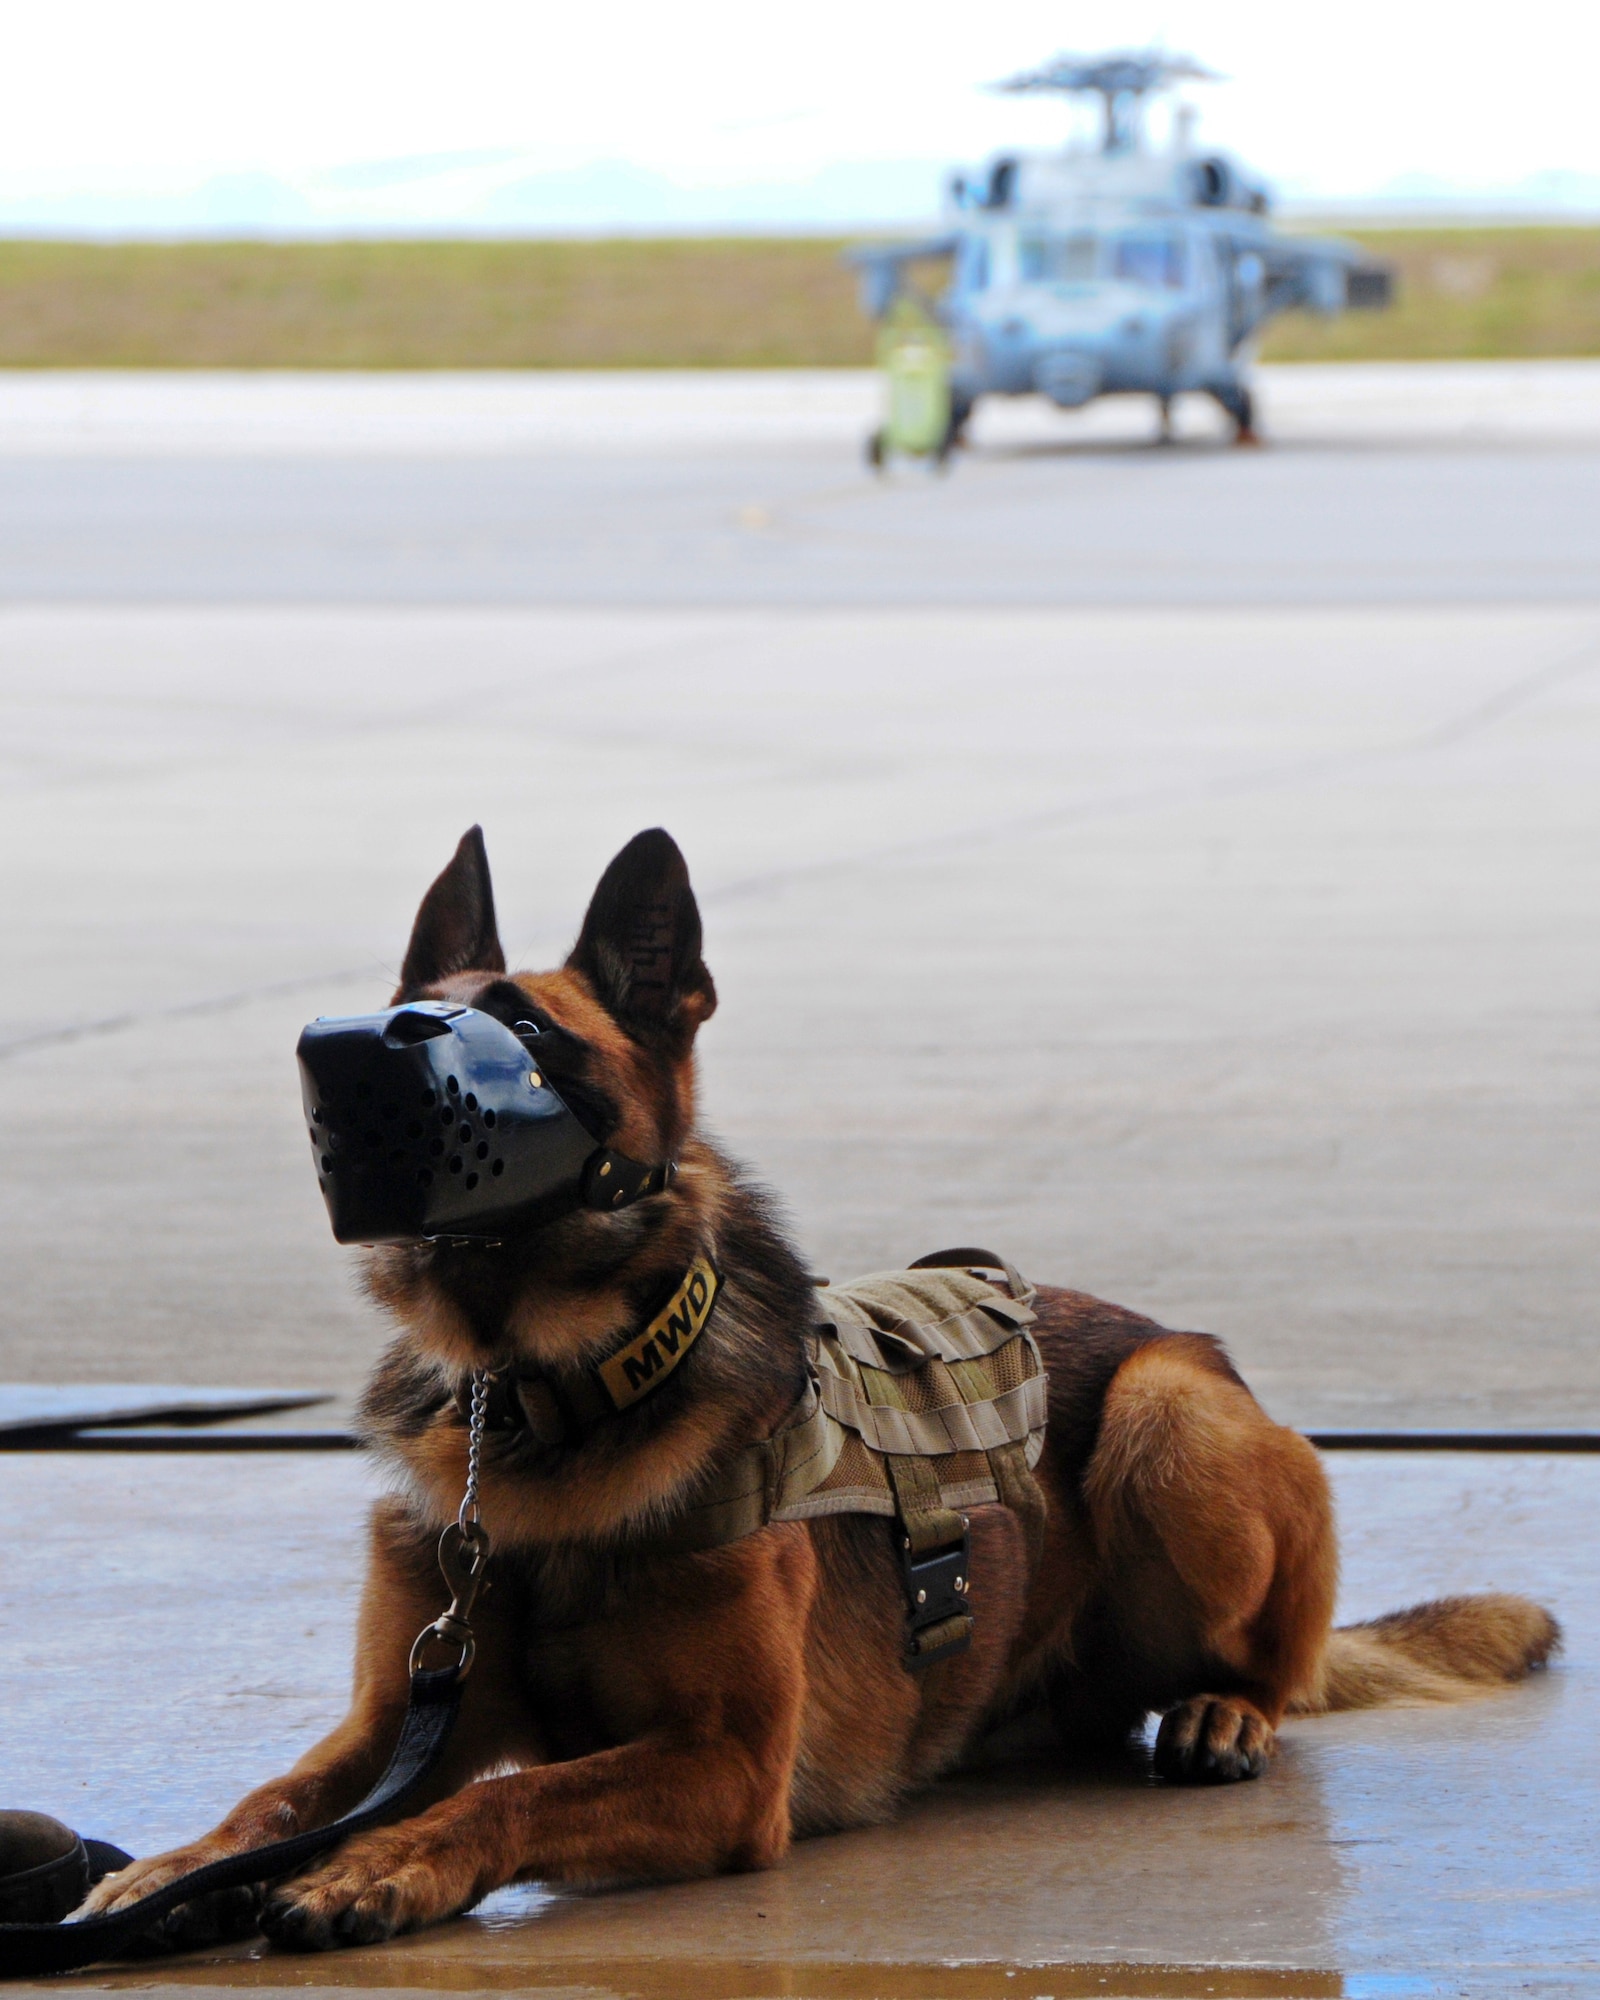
{"points": [[648, 1717]]}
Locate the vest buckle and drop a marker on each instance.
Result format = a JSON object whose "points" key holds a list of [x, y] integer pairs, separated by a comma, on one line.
{"points": [[938, 1618]]}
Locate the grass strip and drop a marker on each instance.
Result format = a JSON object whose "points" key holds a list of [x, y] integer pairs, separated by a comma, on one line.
{"points": [[705, 302]]}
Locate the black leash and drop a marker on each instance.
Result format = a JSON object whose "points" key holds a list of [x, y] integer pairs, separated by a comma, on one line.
{"points": [[29, 1949]]}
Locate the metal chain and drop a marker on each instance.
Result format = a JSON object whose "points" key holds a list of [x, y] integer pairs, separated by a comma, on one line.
{"points": [[467, 1519], [463, 1550]]}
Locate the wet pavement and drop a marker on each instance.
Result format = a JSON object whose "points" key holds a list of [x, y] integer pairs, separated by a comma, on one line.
{"points": [[187, 1633]]}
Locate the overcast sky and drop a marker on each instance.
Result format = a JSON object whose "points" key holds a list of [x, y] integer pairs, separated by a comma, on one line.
{"points": [[119, 97]]}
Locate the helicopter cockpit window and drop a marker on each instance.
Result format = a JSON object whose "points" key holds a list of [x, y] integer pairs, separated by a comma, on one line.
{"points": [[1150, 260], [1070, 260]]}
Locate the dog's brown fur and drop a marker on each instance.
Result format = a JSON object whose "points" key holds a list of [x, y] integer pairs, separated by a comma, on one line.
{"points": [[649, 1716]]}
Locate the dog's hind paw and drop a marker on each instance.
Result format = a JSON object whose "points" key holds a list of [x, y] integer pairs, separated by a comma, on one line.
{"points": [[1213, 1739]]}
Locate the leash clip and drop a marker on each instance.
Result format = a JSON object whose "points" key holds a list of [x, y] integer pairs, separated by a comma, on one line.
{"points": [[463, 1550], [463, 1557]]}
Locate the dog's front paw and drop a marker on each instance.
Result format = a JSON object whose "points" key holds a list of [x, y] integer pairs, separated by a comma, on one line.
{"points": [[378, 1885], [208, 1920], [144, 1878], [1213, 1739]]}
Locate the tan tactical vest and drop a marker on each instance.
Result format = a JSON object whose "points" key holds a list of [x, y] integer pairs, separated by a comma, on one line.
{"points": [[927, 1397]]}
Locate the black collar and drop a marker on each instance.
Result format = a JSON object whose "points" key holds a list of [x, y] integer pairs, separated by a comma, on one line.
{"points": [[563, 1409]]}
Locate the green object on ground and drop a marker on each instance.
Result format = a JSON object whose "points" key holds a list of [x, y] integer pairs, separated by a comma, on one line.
{"points": [[915, 358]]}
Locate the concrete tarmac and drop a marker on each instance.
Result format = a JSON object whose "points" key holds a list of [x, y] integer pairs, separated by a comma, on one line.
{"points": [[1382, 485], [1237, 964], [1404, 1853], [1234, 958], [1176, 868]]}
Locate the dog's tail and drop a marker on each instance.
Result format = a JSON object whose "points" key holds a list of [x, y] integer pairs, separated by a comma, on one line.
{"points": [[1454, 1649]]}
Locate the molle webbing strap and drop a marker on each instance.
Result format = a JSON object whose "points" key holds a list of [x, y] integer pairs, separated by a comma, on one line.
{"points": [[985, 1423], [759, 1484], [1022, 1493], [934, 1548], [928, 1522]]}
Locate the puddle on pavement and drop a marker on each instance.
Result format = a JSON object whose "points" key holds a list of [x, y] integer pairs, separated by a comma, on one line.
{"points": [[398, 1969]]}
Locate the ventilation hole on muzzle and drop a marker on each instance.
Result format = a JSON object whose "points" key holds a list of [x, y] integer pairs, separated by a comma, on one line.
{"points": [[452, 1086], [327, 1164], [499, 1167], [447, 1116], [316, 1114], [424, 1177], [455, 1163], [471, 1180], [427, 1100], [435, 1147], [470, 1101], [483, 1149], [488, 1119], [375, 1141], [398, 1157], [465, 1134], [389, 1111], [414, 1129]]}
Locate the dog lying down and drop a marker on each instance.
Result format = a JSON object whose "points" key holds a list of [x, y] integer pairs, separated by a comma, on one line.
{"points": [[650, 1703]]}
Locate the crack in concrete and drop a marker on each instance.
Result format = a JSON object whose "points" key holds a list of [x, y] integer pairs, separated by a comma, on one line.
{"points": [[1483, 715]]}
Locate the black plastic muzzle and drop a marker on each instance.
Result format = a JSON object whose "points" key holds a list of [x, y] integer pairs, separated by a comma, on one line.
{"points": [[435, 1120]]}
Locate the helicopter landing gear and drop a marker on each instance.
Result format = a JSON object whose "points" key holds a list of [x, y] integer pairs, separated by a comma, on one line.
{"points": [[1237, 400], [955, 431]]}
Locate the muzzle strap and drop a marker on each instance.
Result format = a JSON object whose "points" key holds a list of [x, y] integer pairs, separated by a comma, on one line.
{"points": [[611, 1180]]}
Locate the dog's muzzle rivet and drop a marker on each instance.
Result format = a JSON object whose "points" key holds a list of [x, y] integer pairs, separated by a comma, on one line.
{"points": [[922, 1597], [535, 1080], [605, 1168]]}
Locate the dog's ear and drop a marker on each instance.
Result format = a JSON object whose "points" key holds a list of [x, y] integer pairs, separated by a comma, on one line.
{"points": [[640, 943], [455, 928]]}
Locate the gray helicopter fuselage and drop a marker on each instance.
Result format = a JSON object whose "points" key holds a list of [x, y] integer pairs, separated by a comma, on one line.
{"points": [[1082, 274], [1097, 307]]}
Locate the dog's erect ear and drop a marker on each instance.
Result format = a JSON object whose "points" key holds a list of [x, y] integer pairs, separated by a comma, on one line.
{"points": [[455, 928], [640, 944]]}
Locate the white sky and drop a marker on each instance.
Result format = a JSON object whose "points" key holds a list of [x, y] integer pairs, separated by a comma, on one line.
{"points": [[1332, 98]]}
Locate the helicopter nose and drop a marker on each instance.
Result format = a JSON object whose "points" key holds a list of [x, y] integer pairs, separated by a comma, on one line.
{"points": [[1069, 376]]}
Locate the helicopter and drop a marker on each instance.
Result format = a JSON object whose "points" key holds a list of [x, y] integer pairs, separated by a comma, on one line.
{"points": [[1117, 268]]}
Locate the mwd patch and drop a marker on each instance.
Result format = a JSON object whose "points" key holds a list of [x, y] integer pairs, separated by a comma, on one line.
{"points": [[633, 1371]]}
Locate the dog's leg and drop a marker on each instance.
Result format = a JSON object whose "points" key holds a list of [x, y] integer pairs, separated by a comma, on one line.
{"points": [[1217, 1534], [713, 1681], [402, 1593]]}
